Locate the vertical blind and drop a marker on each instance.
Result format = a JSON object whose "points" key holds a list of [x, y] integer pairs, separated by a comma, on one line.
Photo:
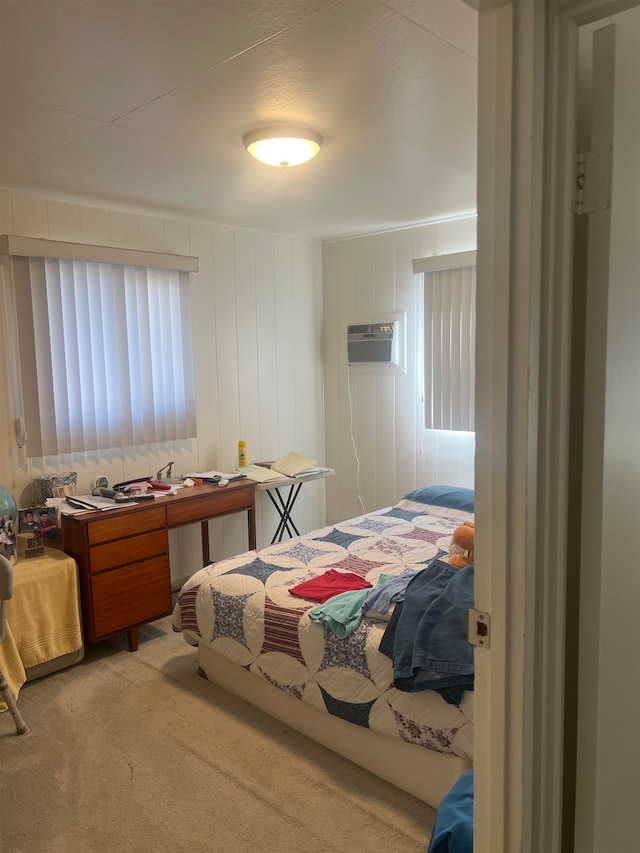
{"points": [[106, 354], [449, 344]]}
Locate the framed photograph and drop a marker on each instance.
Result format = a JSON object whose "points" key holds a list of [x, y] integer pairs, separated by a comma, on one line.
{"points": [[65, 491], [7, 537], [29, 519], [48, 526], [42, 522]]}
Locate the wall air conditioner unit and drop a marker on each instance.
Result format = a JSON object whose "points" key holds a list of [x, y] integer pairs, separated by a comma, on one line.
{"points": [[374, 343]]}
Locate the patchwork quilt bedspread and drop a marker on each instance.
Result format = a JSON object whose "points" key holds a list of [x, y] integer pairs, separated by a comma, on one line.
{"points": [[242, 608]]}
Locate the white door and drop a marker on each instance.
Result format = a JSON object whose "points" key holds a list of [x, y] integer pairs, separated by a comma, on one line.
{"points": [[524, 499], [608, 709]]}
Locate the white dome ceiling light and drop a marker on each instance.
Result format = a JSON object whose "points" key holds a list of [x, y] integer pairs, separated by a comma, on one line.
{"points": [[282, 146]]}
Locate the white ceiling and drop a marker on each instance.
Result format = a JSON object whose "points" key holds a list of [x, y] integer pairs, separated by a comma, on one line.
{"points": [[142, 105]]}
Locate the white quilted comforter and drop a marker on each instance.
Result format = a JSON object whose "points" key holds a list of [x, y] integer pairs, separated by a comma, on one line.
{"points": [[242, 608]]}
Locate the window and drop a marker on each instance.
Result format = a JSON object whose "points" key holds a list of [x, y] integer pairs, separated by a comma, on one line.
{"points": [[104, 346], [449, 340]]}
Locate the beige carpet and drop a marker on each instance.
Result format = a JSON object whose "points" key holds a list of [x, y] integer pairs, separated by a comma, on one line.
{"points": [[135, 752]]}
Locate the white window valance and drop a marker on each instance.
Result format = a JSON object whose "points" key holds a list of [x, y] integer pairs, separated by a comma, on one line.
{"points": [[37, 247]]}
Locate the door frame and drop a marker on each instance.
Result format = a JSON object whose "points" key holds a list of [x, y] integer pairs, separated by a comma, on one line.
{"points": [[526, 143]]}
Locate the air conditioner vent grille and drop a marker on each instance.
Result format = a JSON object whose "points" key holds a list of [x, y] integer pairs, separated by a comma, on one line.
{"points": [[366, 352], [369, 343]]}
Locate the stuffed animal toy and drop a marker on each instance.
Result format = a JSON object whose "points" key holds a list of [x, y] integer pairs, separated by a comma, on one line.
{"points": [[462, 544]]}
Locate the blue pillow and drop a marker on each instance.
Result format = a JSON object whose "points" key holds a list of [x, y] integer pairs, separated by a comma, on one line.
{"points": [[452, 497]]}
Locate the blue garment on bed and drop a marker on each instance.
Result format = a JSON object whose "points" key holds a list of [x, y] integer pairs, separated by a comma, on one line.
{"points": [[426, 637], [453, 832], [383, 596]]}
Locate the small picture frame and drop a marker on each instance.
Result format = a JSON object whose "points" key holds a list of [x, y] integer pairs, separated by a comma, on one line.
{"points": [[65, 491], [7, 537], [29, 519], [42, 522], [49, 530]]}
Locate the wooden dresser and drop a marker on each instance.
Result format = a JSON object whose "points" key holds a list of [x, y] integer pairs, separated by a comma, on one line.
{"points": [[123, 554]]}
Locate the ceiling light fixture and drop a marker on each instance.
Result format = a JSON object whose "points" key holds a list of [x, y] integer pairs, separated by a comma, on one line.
{"points": [[282, 146]]}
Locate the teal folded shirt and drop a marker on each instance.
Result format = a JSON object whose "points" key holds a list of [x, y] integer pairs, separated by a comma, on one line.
{"points": [[343, 612]]}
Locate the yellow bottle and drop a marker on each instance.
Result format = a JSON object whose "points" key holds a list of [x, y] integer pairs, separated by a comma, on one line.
{"points": [[242, 454]]}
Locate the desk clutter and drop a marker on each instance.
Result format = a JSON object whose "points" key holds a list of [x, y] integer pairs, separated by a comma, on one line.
{"points": [[102, 497], [26, 531]]}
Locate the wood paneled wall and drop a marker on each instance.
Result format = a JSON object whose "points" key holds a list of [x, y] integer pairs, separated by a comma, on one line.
{"points": [[375, 438], [258, 303], [257, 325]]}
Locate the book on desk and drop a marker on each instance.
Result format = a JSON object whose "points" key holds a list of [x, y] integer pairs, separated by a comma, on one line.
{"points": [[292, 466]]}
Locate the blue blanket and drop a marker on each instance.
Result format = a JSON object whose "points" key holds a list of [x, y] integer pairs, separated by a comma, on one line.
{"points": [[427, 635]]}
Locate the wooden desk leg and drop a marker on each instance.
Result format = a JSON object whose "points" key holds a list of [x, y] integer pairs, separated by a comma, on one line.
{"points": [[205, 543], [251, 523], [132, 636]]}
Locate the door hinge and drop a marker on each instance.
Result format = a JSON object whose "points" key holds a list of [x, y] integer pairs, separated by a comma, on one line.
{"points": [[479, 628], [593, 181]]}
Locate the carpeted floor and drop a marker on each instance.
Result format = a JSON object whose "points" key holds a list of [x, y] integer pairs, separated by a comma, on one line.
{"points": [[135, 752]]}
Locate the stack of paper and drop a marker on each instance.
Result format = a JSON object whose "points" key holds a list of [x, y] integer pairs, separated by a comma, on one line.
{"points": [[294, 465], [87, 503], [215, 476], [260, 474]]}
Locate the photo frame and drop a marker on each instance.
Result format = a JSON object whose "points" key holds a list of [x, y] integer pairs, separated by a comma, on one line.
{"points": [[29, 519], [7, 536], [65, 491], [42, 521]]}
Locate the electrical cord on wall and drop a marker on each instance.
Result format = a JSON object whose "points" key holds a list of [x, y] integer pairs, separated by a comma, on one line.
{"points": [[353, 440]]}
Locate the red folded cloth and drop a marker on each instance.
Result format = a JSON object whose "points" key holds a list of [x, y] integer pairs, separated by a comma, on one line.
{"points": [[329, 584]]}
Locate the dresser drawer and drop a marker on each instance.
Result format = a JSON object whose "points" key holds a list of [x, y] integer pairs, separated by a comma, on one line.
{"points": [[220, 502], [130, 596], [119, 525], [121, 552]]}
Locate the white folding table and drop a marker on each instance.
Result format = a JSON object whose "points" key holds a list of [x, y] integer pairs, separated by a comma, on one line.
{"points": [[284, 502]]}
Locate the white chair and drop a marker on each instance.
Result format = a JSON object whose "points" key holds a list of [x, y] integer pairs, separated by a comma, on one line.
{"points": [[6, 592]]}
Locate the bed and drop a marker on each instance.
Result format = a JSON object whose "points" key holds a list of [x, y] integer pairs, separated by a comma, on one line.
{"points": [[354, 635]]}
